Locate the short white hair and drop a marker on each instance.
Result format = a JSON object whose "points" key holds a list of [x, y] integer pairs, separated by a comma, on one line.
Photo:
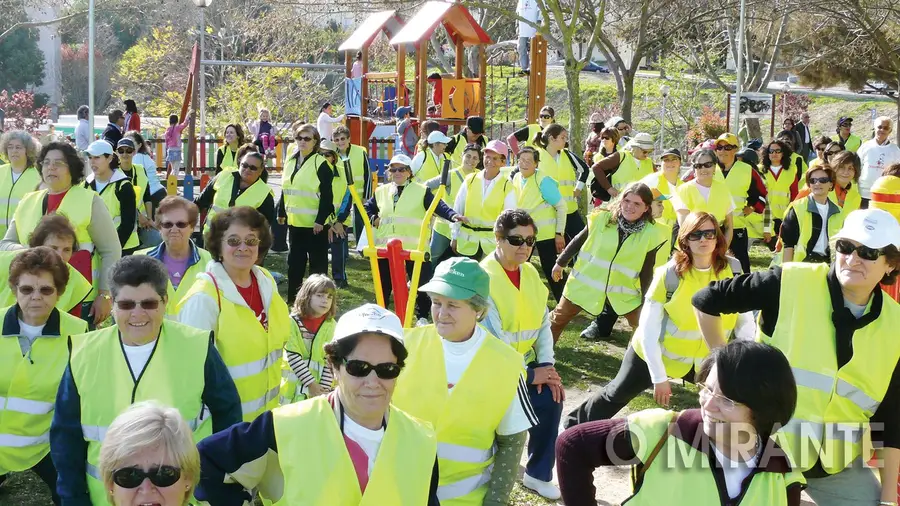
{"points": [[880, 119], [143, 427]]}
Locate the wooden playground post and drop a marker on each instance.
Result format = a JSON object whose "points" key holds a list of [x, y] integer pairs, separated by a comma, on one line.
{"points": [[537, 78], [421, 76], [401, 74]]}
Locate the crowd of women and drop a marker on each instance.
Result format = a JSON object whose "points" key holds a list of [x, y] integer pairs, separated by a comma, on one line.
{"points": [[207, 385]]}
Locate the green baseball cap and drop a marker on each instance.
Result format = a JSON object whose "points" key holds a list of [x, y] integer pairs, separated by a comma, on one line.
{"points": [[459, 278]]}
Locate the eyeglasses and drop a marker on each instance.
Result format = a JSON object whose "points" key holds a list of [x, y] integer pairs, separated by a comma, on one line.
{"points": [[303, 138], [709, 234], [340, 139], [146, 304], [845, 247], [54, 164], [605, 138], [821, 180], [725, 147], [44, 290], [125, 151], [820, 148], [234, 242], [775, 151], [545, 116], [622, 128], [702, 166], [833, 151], [882, 127], [725, 404], [245, 165], [518, 240], [361, 369], [160, 476], [169, 224], [393, 170]]}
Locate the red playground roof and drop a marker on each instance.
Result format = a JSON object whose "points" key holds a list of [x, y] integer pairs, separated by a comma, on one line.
{"points": [[456, 19], [365, 33]]}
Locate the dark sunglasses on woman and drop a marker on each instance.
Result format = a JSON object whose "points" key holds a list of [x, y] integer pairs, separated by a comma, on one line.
{"points": [[361, 369], [160, 476], [846, 247]]}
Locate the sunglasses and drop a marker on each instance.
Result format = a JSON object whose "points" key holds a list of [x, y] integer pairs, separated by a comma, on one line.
{"points": [[605, 139], [248, 166], [845, 247], [159, 476], [393, 170], [708, 234], [725, 147], [622, 128], [707, 165], [361, 369], [833, 151], [340, 139], [234, 242], [774, 151], [125, 151], [546, 116], [820, 148], [44, 290], [168, 224], [302, 138], [147, 304], [822, 180], [518, 240]]}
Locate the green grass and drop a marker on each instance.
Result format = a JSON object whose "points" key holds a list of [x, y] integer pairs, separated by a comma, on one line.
{"points": [[581, 364]]}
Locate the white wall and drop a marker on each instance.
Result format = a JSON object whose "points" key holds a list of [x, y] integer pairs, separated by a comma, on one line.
{"points": [[49, 44]]}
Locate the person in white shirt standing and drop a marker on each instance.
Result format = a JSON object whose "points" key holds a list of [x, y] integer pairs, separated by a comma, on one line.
{"points": [[325, 123], [527, 9], [83, 137], [876, 154]]}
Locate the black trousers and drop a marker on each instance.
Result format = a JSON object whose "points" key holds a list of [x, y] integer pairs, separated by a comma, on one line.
{"points": [[306, 247], [423, 302], [546, 250], [740, 247], [632, 379], [776, 229], [864, 203], [574, 225], [47, 473]]}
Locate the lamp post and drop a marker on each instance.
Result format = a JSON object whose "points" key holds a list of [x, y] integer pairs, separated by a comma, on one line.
{"points": [[91, 67], [739, 81], [784, 93], [664, 90], [202, 5]]}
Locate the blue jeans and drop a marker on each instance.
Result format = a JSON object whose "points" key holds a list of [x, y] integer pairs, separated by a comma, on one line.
{"points": [[542, 437], [440, 249], [340, 250]]}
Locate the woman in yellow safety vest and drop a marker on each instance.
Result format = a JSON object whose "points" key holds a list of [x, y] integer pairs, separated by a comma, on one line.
{"points": [[820, 145], [627, 165], [705, 193], [62, 170], [666, 343], [306, 203], [468, 385], [241, 187], [847, 140], [20, 175], [33, 356], [481, 198], [429, 163], [664, 183], [358, 157], [239, 302], [810, 222], [539, 196], [847, 169], [440, 239], [176, 219], [56, 233], [526, 134], [617, 253], [838, 330], [226, 156], [141, 357], [126, 149], [149, 443], [305, 371], [349, 448], [566, 168], [782, 183], [398, 211], [117, 193], [722, 453], [789, 137], [518, 315]]}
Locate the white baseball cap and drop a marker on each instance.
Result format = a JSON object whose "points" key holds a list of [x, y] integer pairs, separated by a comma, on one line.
{"points": [[875, 228], [368, 318], [615, 120], [98, 148], [438, 136], [642, 140], [400, 159]]}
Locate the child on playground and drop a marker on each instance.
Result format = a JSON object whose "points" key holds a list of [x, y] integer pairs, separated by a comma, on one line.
{"points": [[173, 142], [406, 132], [264, 133], [308, 373]]}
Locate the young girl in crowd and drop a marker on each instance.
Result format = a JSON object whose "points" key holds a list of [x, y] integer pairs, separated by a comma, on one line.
{"points": [[308, 374], [264, 133], [173, 142]]}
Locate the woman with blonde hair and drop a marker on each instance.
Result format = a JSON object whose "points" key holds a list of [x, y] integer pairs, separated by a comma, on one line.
{"points": [[149, 457], [666, 343], [19, 175]]}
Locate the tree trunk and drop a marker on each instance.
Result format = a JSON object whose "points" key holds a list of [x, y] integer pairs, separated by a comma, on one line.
{"points": [[572, 70], [754, 131], [626, 98]]}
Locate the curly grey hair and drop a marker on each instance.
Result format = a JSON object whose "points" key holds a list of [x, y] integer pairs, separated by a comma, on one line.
{"points": [[31, 146]]}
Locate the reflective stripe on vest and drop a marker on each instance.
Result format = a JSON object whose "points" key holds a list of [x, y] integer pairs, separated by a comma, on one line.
{"points": [[465, 486], [257, 366], [825, 384], [16, 441], [252, 406], [27, 406]]}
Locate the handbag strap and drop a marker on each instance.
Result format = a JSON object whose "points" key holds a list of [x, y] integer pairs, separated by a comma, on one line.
{"points": [[637, 475], [218, 293]]}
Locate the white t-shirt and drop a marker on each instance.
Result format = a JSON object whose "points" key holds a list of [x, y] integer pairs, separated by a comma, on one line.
{"points": [[138, 356], [458, 356], [775, 169], [369, 440], [822, 241], [735, 472], [874, 158], [27, 335]]}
